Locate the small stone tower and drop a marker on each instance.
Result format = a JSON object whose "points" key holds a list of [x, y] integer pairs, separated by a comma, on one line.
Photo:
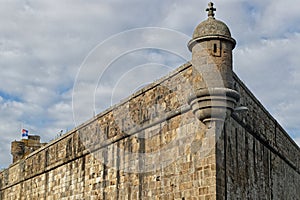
{"points": [[211, 48], [20, 149]]}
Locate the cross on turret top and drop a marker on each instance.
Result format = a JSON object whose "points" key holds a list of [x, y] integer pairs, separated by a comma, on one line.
{"points": [[211, 9]]}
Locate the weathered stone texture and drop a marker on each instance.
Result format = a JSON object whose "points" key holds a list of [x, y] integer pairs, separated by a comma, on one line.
{"points": [[103, 158], [155, 145], [258, 160], [254, 158], [20, 149]]}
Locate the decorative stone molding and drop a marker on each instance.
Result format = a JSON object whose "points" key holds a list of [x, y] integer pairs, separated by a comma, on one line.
{"points": [[213, 104]]}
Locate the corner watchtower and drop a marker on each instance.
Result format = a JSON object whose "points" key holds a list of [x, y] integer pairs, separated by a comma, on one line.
{"points": [[211, 48]]}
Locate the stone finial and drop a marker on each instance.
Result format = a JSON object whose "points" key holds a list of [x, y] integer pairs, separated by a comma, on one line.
{"points": [[211, 9]]}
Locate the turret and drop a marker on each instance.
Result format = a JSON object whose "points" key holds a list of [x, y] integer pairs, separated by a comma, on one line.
{"points": [[211, 48]]}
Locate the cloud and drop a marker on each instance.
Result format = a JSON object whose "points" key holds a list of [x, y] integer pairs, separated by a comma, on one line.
{"points": [[43, 43], [270, 69]]}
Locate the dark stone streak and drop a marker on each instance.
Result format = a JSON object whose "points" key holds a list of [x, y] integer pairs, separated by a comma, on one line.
{"points": [[46, 184], [127, 149], [83, 175], [105, 157], [141, 164], [225, 160], [118, 170], [254, 160], [237, 154], [21, 190]]}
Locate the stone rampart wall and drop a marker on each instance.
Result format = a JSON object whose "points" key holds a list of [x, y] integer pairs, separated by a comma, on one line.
{"points": [[147, 146], [152, 146], [262, 161]]}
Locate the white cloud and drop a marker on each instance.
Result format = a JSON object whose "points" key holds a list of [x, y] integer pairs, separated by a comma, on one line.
{"points": [[43, 43], [270, 69]]}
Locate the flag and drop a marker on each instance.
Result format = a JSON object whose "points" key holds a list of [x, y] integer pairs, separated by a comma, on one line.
{"points": [[24, 133]]}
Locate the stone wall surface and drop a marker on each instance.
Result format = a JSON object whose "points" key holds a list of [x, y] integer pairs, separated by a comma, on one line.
{"points": [[151, 146], [256, 159], [147, 147]]}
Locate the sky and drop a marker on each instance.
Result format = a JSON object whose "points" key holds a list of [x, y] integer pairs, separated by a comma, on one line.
{"points": [[57, 70]]}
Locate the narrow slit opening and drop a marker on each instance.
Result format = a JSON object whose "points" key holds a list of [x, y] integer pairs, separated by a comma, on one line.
{"points": [[215, 48]]}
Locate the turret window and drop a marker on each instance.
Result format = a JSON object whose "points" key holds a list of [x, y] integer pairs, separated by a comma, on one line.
{"points": [[216, 48]]}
